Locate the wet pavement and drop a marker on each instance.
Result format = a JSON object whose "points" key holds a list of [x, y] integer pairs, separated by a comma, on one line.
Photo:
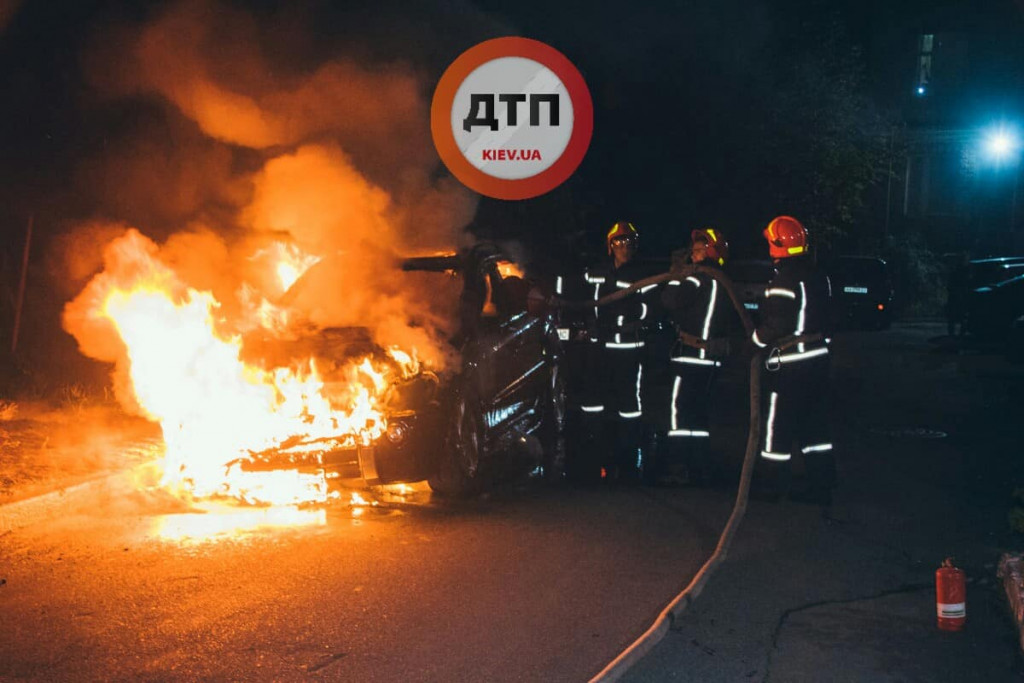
{"points": [[929, 457], [537, 583]]}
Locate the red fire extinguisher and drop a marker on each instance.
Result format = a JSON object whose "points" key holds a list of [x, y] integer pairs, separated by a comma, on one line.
{"points": [[950, 596]]}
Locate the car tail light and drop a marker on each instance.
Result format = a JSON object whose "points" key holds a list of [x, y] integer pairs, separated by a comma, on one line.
{"points": [[881, 307]]}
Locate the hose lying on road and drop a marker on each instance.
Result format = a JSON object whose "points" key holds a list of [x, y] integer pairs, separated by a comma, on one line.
{"points": [[666, 619], [661, 626]]}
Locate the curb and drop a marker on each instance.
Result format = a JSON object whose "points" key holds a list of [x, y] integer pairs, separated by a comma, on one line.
{"points": [[63, 501], [1011, 573]]}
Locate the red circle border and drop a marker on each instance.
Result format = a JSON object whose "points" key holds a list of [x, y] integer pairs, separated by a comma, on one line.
{"points": [[471, 176]]}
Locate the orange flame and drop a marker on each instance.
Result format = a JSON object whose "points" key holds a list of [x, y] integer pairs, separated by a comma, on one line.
{"points": [[187, 373], [509, 269]]}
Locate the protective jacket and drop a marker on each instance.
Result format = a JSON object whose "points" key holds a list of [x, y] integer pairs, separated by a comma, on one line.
{"points": [[619, 325], [795, 386], [797, 302], [699, 307]]}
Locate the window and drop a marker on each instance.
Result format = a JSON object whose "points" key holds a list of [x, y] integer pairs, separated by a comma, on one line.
{"points": [[924, 63]]}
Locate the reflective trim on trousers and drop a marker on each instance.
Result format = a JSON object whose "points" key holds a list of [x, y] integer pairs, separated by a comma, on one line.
{"points": [[630, 416], [817, 448], [639, 377], [592, 409], [624, 345], [689, 432], [779, 457], [672, 407], [769, 430], [695, 361]]}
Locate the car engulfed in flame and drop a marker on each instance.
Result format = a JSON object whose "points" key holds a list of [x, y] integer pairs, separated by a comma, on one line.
{"points": [[500, 411], [380, 452]]}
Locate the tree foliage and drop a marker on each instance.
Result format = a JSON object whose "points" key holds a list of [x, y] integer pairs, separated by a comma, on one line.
{"points": [[825, 144]]}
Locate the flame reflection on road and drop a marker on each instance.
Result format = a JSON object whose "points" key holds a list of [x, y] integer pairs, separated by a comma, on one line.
{"points": [[225, 521]]}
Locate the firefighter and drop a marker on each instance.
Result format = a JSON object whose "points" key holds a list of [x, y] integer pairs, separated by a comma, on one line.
{"points": [[699, 308], [611, 404], [793, 334]]}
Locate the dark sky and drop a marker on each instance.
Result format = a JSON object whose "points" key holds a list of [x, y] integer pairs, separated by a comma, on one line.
{"points": [[685, 94]]}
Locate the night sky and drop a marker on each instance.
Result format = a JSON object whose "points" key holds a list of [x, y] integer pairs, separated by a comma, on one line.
{"points": [[710, 78], [711, 113]]}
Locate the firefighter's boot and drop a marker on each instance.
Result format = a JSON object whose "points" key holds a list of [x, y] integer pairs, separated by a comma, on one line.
{"points": [[672, 470], [821, 477], [698, 459], [628, 453], [771, 481], [590, 452]]}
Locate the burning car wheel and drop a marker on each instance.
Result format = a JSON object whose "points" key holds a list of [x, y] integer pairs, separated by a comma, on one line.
{"points": [[459, 469], [552, 431]]}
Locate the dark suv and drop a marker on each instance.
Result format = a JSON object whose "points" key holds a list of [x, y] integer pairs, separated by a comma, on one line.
{"points": [[862, 291], [500, 411]]}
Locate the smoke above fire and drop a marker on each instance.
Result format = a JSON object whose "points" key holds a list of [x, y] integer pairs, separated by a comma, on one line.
{"points": [[242, 142]]}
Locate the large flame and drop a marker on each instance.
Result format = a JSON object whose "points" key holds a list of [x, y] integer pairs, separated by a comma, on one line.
{"points": [[184, 361]]}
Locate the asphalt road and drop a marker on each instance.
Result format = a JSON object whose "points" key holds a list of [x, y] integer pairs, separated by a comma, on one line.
{"points": [[928, 440], [532, 584], [545, 584]]}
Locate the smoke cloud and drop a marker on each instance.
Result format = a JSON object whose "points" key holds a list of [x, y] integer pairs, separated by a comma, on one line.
{"points": [[227, 136]]}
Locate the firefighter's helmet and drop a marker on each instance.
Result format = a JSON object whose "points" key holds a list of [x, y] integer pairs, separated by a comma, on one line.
{"points": [[718, 247], [786, 237], [620, 230]]}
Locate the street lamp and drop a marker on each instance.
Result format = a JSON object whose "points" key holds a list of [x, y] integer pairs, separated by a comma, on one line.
{"points": [[1002, 147], [1001, 144]]}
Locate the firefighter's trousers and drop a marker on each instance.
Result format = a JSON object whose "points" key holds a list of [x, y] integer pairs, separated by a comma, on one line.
{"points": [[612, 404], [794, 413], [688, 430]]}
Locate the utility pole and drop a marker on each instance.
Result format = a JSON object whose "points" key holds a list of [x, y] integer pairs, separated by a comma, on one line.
{"points": [[888, 185], [19, 304]]}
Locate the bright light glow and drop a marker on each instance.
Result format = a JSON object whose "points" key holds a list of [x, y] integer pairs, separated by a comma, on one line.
{"points": [[1001, 144], [920, 90]]}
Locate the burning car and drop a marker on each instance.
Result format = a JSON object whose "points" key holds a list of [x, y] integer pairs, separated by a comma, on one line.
{"points": [[501, 410]]}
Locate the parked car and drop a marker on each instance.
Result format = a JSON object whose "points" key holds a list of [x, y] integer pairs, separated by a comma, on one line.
{"points": [[992, 309], [987, 271], [502, 410], [862, 292], [750, 279], [1014, 347]]}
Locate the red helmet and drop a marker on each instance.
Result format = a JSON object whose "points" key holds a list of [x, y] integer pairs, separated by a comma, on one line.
{"points": [[786, 237], [620, 229], [718, 248]]}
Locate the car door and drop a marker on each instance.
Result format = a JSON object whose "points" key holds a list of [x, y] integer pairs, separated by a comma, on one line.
{"points": [[511, 358]]}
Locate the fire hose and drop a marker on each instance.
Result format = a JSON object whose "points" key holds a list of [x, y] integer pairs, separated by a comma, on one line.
{"points": [[668, 616]]}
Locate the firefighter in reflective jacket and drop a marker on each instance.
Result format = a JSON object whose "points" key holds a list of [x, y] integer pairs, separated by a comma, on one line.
{"points": [[614, 383], [699, 307], [793, 329]]}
